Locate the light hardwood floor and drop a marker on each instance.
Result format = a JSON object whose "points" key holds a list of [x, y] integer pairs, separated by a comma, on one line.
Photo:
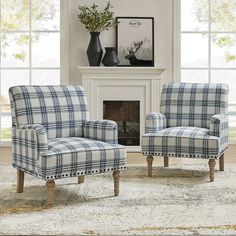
{"points": [[137, 158]]}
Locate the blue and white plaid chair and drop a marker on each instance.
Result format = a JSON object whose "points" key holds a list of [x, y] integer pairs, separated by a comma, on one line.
{"points": [[192, 123], [53, 138]]}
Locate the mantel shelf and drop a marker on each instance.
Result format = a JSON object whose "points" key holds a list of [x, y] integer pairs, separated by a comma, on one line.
{"points": [[137, 72]]}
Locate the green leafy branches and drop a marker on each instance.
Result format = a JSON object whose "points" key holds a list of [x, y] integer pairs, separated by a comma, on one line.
{"points": [[15, 16], [223, 19], [224, 41], [229, 57], [94, 20]]}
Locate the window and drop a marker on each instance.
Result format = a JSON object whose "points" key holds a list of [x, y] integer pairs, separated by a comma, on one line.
{"points": [[208, 46], [29, 49]]}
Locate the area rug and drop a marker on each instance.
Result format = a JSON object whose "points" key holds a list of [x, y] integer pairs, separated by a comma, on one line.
{"points": [[176, 201]]}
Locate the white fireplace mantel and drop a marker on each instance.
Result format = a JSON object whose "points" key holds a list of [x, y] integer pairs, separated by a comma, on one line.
{"points": [[122, 83]]}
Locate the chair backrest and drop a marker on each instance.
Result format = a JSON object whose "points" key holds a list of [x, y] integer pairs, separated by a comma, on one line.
{"points": [[193, 104], [62, 110]]}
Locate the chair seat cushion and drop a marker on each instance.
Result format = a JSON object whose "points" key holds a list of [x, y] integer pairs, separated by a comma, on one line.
{"points": [[182, 142], [74, 156]]}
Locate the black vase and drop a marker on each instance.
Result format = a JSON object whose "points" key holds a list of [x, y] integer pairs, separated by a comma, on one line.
{"points": [[110, 58], [94, 51]]}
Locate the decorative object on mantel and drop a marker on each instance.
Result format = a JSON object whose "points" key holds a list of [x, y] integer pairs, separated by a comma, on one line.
{"points": [[110, 58], [135, 41], [95, 22], [94, 50]]}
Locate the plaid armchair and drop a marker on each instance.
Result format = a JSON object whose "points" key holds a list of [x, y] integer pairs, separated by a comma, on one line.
{"points": [[192, 123], [53, 138]]}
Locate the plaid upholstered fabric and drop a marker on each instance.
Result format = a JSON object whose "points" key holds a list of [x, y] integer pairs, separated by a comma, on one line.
{"points": [[219, 127], [186, 104], [181, 142], [193, 122], [62, 110], [53, 138], [155, 122], [104, 130], [79, 156], [28, 142]]}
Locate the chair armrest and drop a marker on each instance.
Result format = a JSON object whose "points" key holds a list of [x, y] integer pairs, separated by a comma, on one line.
{"points": [[155, 122], [103, 130], [40, 132], [28, 141], [219, 126]]}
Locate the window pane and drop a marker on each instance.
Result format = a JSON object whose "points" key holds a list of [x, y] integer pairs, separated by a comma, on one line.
{"points": [[223, 13], [223, 50], [46, 50], [15, 15], [194, 50], [45, 15], [5, 129], [194, 15], [232, 122], [9, 78], [193, 76], [228, 77], [46, 77], [15, 50]]}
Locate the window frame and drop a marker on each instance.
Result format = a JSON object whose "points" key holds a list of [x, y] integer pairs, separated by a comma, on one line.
{"points": [[177, 46], [64, 50]]}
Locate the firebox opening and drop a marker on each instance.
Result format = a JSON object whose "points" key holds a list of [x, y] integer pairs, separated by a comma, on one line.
{"points": [[127, 116]]}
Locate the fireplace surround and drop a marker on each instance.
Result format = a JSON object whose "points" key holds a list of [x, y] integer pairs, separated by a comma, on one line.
{"points": [[118, 90]]}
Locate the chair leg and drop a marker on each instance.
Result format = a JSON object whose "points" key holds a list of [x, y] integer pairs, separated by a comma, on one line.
{"points": [[166, 161], [116, 177], [149, 163], [221, 161], [50, 189], [20, 181], [212, 163], [80, 179]]}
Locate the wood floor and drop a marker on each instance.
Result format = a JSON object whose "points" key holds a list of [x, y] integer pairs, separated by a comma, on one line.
{"points": [[137, 158]]}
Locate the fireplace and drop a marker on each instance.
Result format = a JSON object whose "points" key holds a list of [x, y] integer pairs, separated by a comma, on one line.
{"points": [[125, 95], [127, 116]]}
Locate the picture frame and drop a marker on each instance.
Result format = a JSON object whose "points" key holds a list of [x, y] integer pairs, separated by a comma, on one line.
{"points": [[135, 41]]}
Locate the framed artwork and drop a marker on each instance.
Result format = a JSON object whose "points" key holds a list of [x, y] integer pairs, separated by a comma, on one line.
{"points": [[135, 41]]}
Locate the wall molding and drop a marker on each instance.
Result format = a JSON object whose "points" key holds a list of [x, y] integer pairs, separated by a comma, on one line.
{"points": [[65, 41]]}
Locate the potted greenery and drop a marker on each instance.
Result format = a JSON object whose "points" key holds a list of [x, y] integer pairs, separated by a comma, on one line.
{"points": [[96, 21]]}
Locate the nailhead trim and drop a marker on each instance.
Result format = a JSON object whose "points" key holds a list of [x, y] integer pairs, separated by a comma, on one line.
{"points": [[179, 155], [82, 173]]}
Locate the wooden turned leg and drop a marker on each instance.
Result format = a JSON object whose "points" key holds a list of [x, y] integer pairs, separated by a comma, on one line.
{"points": [[212, 163], [116, 176], [50, 189], [221, 161], [20, 181], [149, 163], [80, 179], [166, 161]]}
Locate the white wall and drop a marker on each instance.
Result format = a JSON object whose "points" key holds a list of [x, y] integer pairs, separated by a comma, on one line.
{"points": [[161, 10]]}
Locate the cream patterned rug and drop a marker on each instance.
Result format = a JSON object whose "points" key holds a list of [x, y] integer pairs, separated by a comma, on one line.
{"points": [[174, 202]]}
